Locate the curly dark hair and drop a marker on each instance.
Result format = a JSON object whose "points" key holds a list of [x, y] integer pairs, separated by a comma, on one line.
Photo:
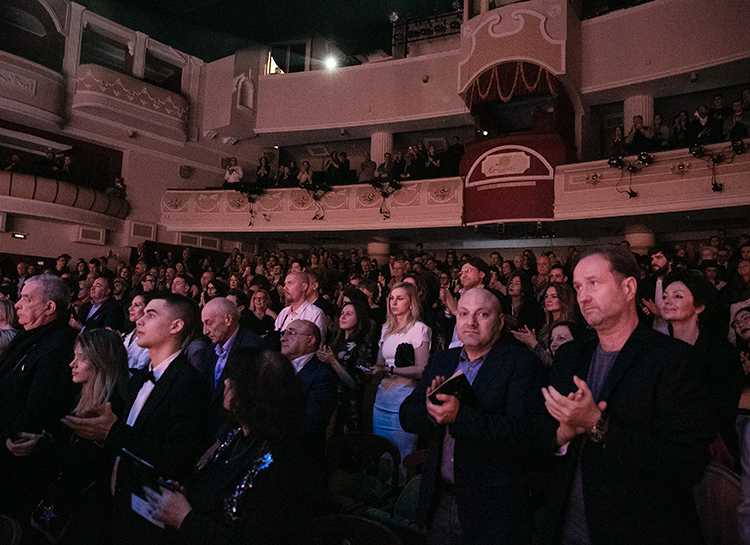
{"points": [[267, 398]]}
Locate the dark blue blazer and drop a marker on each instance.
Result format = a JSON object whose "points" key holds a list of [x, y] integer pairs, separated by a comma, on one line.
{"points": [[319, 383], [493, 440], [244, 339], [110, 314], [170, 433]]}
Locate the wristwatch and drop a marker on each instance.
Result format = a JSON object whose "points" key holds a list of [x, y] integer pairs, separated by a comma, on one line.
{"points": [[597, 432]]}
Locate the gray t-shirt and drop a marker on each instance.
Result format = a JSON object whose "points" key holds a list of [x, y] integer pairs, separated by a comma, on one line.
{"points": [[575, 530]]}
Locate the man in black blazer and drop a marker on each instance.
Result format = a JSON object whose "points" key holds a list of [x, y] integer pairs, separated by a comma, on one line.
{"points": [[299, 342], [102, 310], [221, 325], [36, 390], [479, 444], [631, 420], [165, 418]]}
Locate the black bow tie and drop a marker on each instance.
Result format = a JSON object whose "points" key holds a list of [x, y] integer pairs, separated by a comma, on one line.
{"points": [[150, 376]]}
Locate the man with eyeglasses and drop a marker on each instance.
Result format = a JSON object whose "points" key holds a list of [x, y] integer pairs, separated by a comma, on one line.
{"points": [[148, 283], [299, 342]]}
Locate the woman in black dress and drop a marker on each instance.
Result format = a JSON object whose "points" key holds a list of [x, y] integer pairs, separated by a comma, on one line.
{"points": [[252, 486], [350, 351]]}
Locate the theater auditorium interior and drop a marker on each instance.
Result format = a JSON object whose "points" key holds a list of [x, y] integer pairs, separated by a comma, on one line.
{"points": [[236, 138]]}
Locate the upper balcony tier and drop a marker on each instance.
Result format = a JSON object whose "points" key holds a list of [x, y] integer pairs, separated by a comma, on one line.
{"points": [[674, 181], [44, 198], [118, 99]]}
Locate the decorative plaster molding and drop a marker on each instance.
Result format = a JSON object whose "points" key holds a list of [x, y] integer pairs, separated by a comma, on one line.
{"points": [[11, 79], [97, 79]]}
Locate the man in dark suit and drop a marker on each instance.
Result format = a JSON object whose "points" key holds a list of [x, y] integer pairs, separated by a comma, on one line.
{"points": [[630, 420], [221, 325], [299, 342], [102, 310], [165, 417], [475, 463], [36, 390]]}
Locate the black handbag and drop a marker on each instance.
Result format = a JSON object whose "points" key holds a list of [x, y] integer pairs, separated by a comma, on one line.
{"points": [[404, 355]]}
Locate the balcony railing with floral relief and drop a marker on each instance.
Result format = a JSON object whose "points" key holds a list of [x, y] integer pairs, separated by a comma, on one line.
{"points": [[426, 203]]}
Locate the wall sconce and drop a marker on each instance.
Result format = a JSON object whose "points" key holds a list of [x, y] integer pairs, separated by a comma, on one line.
{"points": [[738, 146], [229, 140], [593, 178], [680, 169], [186, 172], [616, 162], [21, 236]]}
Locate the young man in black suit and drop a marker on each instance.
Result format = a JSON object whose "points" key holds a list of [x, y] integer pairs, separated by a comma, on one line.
{"points": [[631, 423], [167, 407], [476, 459]]}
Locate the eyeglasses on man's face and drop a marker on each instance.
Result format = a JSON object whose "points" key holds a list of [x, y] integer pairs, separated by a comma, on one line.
{"points": [[293, 332]]}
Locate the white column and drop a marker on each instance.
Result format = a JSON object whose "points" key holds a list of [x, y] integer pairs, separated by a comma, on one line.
{"points": [[642, 105], [379, 250], [640, 238], [73, 44], [380, 144]]}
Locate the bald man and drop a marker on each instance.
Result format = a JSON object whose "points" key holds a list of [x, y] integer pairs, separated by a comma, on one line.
{"points": [[221, 325], [475, 464]]}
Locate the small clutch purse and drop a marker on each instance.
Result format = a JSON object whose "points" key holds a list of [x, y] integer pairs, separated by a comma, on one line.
{"points": [[404, 355]]}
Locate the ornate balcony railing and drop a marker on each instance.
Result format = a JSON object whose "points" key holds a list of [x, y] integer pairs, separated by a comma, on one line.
{"points": [[426, 203]]}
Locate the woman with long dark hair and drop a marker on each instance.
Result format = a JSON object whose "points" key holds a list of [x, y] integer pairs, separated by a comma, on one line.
{"points": [[249, 487], [524, 311], [349, 351], [560, 306]]}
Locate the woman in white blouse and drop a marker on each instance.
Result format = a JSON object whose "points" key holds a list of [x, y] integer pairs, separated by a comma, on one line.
{"points": [[402, 326]]}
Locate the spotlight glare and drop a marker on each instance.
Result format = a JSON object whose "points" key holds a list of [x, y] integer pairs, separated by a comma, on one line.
{"points": [[331, 63]]}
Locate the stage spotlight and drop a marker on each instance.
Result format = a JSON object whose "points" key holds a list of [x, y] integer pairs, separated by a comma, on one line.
{"points": [[331, 63]]}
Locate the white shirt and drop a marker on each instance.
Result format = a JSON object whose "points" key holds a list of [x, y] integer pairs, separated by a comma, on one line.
{"points": [[300, 362], [306, 311], [659, 323], [137, 356], [147, 388]]}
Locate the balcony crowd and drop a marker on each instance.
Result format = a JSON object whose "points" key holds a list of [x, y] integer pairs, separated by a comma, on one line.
{"points": [[711, 122]]}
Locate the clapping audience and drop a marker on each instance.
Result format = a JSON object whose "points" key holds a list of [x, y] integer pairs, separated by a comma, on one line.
{"points": [[304, 293]]}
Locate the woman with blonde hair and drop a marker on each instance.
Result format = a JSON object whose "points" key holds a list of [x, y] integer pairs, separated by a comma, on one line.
{"points": [[403, 351], [8, 323], [80, 499]]}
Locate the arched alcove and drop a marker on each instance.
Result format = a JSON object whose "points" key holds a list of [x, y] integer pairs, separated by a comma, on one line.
{"points": [[28, 30], [520, 97]]}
